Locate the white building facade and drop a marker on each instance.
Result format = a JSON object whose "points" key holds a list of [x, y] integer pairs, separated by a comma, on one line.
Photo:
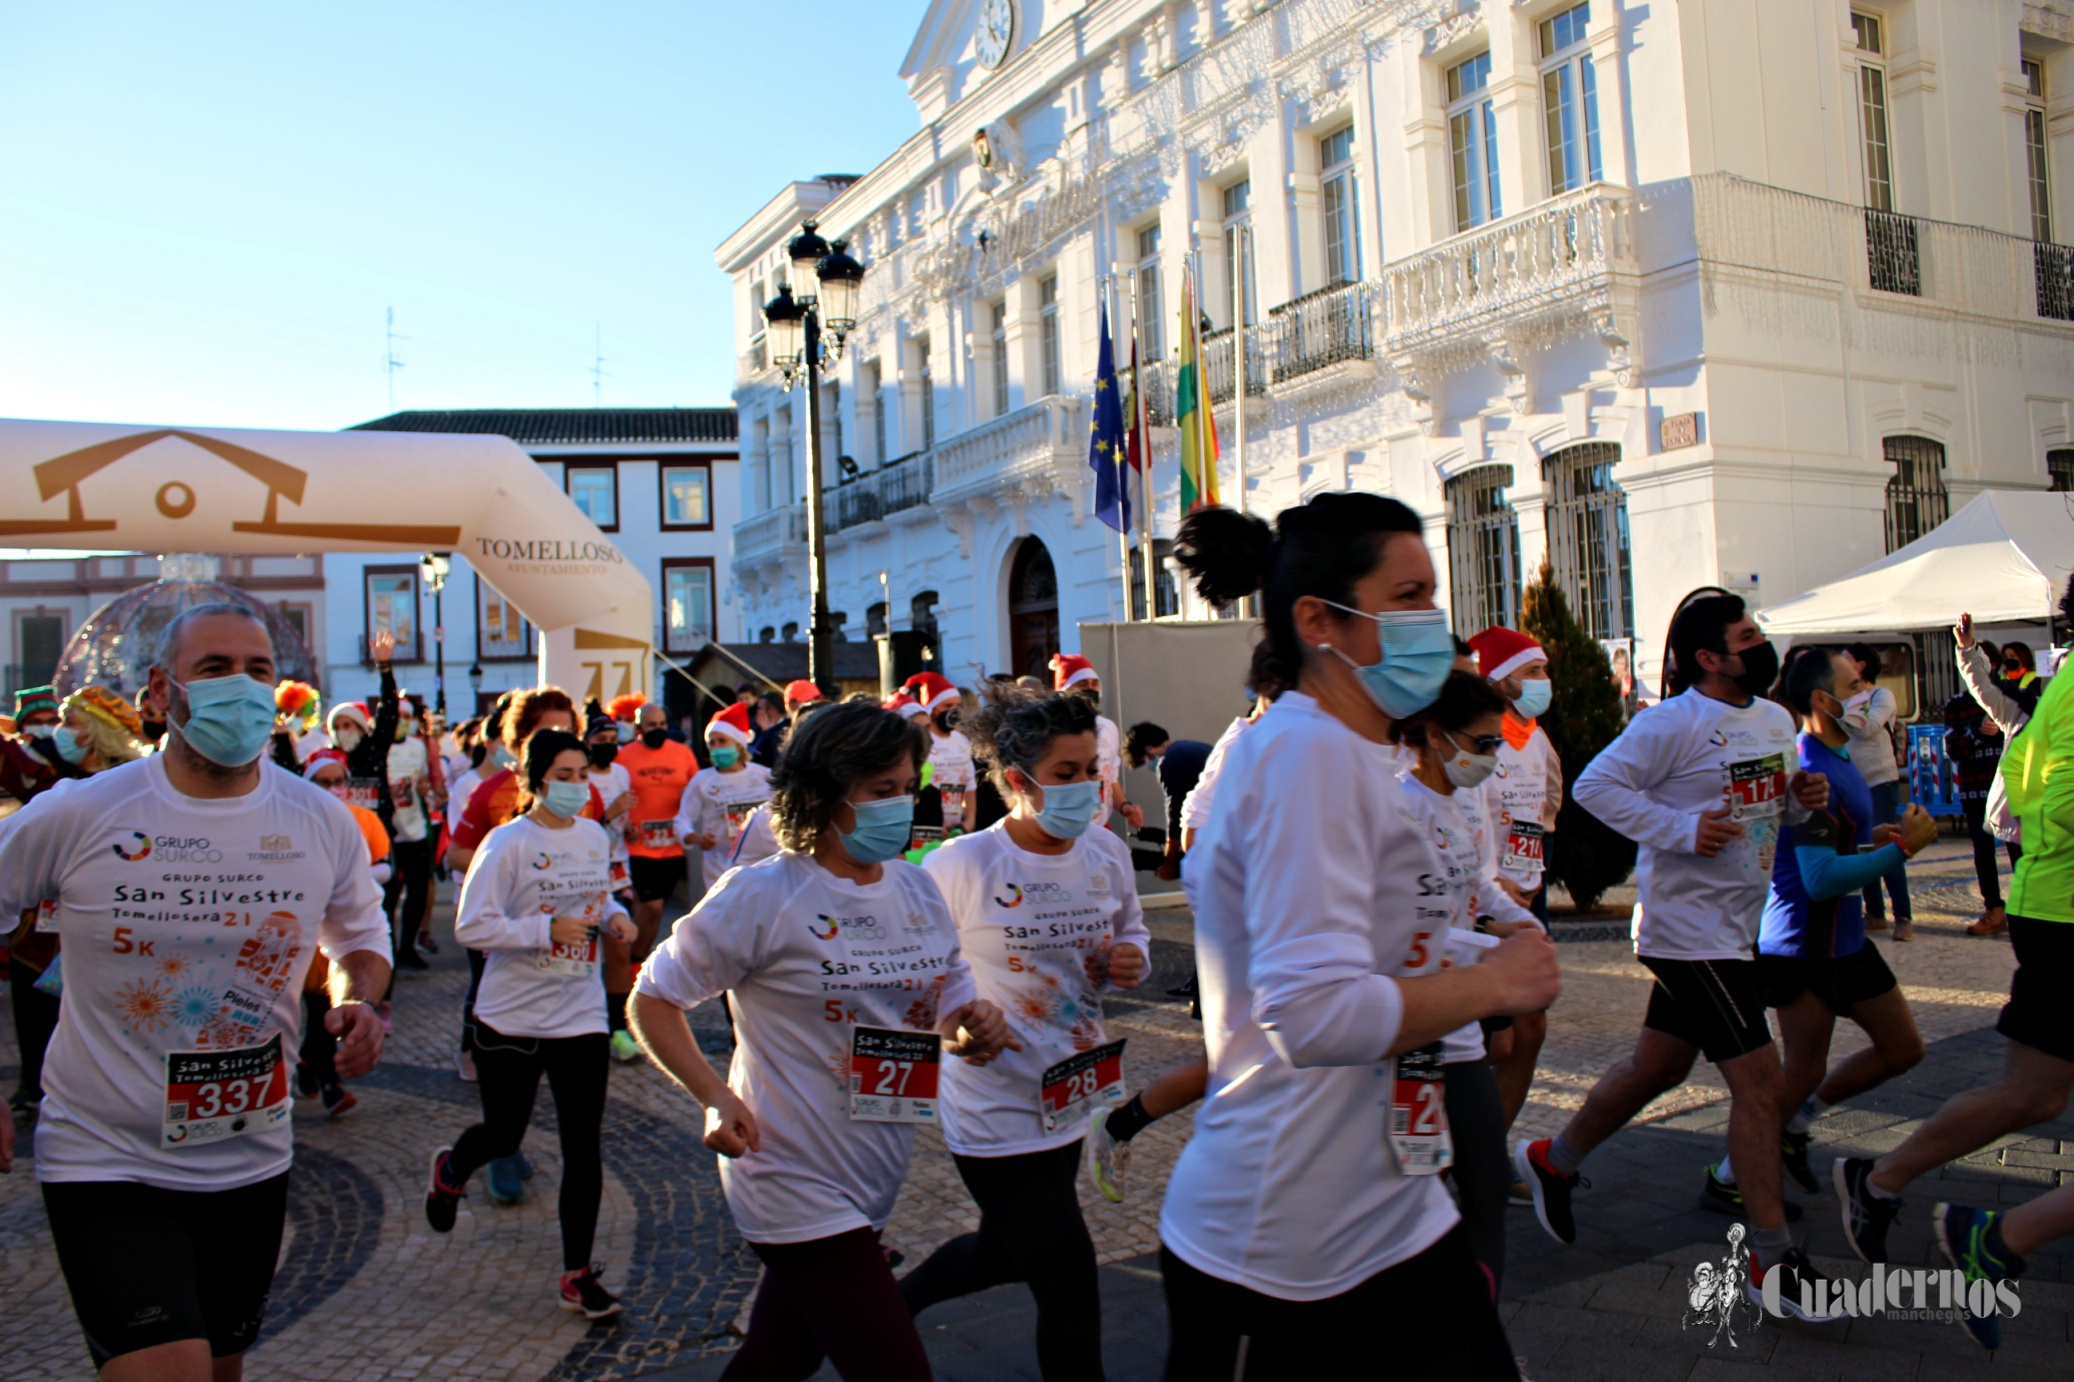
{"points": [[1729, 292]]}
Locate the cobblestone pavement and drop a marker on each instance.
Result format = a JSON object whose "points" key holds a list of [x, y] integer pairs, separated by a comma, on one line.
{"points": [[366, 1291]]}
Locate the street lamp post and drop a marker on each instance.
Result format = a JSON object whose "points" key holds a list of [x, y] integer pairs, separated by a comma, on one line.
{"points": [[475, 687], [434, 566], [809, 318]]}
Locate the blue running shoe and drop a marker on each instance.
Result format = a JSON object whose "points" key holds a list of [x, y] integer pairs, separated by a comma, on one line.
{"points": [[1969, 1242], [507, 1185]]}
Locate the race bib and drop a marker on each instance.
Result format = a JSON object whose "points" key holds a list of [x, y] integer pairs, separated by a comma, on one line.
{"points": [[1419, 1137], [927, 835], [1757, 787], [954, 808], [1524, 842], [579, 959], [659, 834], [621, 877], [47, 917], [364, 792], [402, 793], [1069, 1089], [893, 1075], [212, 1095], [737, 821]]}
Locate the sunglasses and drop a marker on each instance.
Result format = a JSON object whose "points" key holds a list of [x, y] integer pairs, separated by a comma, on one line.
{"points": [[1484, 744]]}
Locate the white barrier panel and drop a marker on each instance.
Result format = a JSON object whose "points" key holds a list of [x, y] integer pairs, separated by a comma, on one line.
{"points": [[184, 489]]}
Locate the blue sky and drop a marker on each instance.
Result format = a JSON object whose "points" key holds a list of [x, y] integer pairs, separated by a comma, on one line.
{"points": [[206, 208]]}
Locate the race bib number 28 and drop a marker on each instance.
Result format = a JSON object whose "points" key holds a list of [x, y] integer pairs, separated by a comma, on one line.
{"points": [[1081, 1079], [213, 1095], [893, 1075]]}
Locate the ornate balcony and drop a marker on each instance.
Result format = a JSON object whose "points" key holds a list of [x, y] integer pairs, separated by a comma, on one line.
{"points": [[772, 538], [1035, 447], [1318, 331], [892, 488], [1220, 360]]}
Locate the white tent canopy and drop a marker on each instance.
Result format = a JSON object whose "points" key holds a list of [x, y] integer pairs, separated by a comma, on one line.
{"points": [[2004, 559]]}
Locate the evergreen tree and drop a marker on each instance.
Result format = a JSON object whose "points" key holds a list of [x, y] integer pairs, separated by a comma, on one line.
{"points": [[1584, 715]]}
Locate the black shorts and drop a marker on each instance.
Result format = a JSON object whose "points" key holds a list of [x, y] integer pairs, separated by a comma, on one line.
{"points": [[1840, 981], [148, 1266], [655, 879], [1716, 1005], [2043, 980]]}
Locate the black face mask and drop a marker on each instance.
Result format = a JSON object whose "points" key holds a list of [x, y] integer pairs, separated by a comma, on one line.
{"points": [[654, 737], [1760, 669], [946, 721], [603, 754]]}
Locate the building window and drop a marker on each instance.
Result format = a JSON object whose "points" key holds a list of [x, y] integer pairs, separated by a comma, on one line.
{"points": [[1872, 111], [921, 617], [1238, 242], [1587, 518], [928, 380], [1048, 332], [1340, 206], [297, 617], [686, 496], [1151, 339], [875, 390], [1916, 498], [917, 211], [2059, 469], [1482, 550], [39, 643], [2035, 166], [1472, 126], [687, 603], [1570, 101], [999, 312], [501, 632], [1164, 591], [595, 488], [392, 607]]}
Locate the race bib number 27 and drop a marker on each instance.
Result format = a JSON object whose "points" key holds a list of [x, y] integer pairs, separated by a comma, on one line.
{"points": [[893, 1075], [213, 1095]]}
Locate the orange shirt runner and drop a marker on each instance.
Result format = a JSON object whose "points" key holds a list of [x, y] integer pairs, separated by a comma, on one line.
{"points": [[659, 777]]}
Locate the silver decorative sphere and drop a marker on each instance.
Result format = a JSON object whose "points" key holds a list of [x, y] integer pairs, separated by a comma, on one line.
{"points": [[113, 647]]}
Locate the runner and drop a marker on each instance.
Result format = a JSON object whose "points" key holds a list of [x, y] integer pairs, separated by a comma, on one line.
{"points": [[946, 802], [1047, 915], [2037, 767], [1074, 673], [1454, 745], [847, 985], [1178, 764], [536, 901], [661, 769], [29, 761], [1869, 719], [192, 887], [316, 1069], [716, 805], [616, 790], [1303, 1216], [1701, 783], [1812, 950]]}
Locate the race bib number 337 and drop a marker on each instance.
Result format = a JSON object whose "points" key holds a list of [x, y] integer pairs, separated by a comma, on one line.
{"points": [[893, 1075], [212, 1095]]}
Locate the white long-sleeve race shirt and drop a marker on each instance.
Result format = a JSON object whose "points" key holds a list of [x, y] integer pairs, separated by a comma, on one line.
{"points": [[525, 876], [1674, 761], [1313, 887], [720, 804]]}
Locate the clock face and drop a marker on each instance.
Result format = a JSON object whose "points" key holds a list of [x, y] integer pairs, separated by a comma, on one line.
{"points": [[996, 31]]}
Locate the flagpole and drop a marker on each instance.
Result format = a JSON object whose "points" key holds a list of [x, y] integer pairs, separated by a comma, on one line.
{"points": [[1238, 357], [1123, 540], [1143, 435]]}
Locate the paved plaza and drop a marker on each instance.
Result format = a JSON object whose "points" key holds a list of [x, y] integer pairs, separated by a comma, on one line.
{"points": [[366, 1291]]}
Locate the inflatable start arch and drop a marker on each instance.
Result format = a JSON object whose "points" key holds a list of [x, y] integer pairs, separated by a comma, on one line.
{"points": [[186, 489]]}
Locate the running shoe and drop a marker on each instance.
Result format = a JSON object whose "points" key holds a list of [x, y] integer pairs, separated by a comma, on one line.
{"points": [[427, 944], [339, 1101], [625, 1049], [1551, 1191], [464, 1064], [1867, 1216], [442, 1197], [1962, 1234], [1108, 1160], [1726, 1197], [507, 1186], [1795, 1271], [581, 1291], [1793, 1155], [1904, 930]]}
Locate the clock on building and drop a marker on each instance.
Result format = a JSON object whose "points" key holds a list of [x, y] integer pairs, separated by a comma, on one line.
{"points": [[996, 31]]}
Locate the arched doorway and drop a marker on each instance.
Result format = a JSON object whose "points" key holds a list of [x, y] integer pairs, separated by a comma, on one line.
{"points": [[1033, 610]]}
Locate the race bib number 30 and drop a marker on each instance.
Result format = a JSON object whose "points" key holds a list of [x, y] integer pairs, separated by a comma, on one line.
{"points": [[1082, 1079], [213, 1095], [893, 1075], [1419, 1136]]}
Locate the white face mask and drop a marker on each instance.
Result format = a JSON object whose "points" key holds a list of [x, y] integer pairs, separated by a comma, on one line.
{"points": [[1466, 770], [348, 737]]}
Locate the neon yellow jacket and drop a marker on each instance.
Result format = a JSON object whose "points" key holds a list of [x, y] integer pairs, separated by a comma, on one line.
{"points": [[2038, 774]]}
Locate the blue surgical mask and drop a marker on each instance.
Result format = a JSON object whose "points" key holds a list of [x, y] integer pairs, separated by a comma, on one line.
{"points": [[884, 830], [1418, 652], [229, 719], [566, 799], [500, 756], [40, 731], [725, 756], [68, 745], [1534, 697], [1069, 809]]}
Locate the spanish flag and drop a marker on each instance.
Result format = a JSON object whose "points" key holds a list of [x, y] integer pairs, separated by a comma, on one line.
{"points": [[1192, 410]]}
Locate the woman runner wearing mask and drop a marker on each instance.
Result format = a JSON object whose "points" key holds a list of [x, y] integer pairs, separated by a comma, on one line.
{"points": [[842, 967], [949, 800], [1456, 742], [1048, 917], [1307, 1208], [535, 902], [716, 805]]}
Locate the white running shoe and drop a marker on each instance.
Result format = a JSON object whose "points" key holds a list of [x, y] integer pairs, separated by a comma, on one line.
{"points": [[1107, 1159], [464, 1064]]}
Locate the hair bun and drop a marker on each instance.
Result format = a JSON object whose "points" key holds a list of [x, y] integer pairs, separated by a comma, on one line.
{"points": [[1226, 552]]}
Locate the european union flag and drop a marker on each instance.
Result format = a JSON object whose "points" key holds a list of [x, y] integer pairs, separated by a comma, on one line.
{"points": [[1105, 449]]}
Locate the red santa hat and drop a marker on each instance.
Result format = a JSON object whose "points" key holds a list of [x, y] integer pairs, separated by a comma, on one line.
{"points": [[322, 757], [731, 723], [803, 692], [906, 707], [1070, 669], [931, 690], [1501, 651], [352, 711]]}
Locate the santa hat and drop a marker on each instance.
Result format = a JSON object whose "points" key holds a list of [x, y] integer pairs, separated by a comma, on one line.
{"points": [[803, 692], [1501, 651], [1070, 669], [932, 691], [731, 723], [353, 711], [320, 758], [906, 707]]}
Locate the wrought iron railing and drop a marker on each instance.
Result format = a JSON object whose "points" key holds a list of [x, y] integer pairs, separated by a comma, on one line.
{"points": [[1220, 364], [901, 484], [1319, 330], [1159, 392], [1893, 259], [2053, 267]]}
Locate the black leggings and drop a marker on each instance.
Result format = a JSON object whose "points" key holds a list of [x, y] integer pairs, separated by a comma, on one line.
{"points": [[508, 1071], [476, 961], [1030, 1229], [1985, 867], [410, 879], [35, 1018], [1483, 1169], [832, 1297], [1432, 1314]]}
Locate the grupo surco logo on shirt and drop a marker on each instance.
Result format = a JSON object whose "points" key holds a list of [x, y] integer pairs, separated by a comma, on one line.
{"points": [[133, 846], [827, 928], [182, 849], [1013, 900]]}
